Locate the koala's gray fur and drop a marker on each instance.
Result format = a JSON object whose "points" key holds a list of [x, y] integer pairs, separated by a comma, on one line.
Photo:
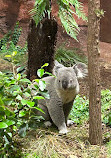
{"points": [[62, 90]]}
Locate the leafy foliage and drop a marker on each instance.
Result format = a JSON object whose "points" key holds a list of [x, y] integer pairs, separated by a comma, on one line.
{"points": [[80, 114], [8, 48], [16, 106], [11, 36], [5, 39], [106, 106], [9, 44], [80, 111], [42, 9], [69, 57]]}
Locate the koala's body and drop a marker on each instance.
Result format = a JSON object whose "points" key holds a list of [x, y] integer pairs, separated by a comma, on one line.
{"points": [[62, 90]]}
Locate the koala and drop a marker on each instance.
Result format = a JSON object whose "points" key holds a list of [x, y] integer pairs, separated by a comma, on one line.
{"points": [[62, 90]]}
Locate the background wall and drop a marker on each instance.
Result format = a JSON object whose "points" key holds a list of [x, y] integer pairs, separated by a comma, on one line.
{"points": [[12, 11]]}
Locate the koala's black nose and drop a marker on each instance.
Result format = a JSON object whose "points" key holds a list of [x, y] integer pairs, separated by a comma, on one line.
{"points": [[64, 84]]}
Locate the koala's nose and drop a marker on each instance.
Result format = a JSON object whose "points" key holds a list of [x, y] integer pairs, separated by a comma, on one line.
{"points": [[64, 84]]}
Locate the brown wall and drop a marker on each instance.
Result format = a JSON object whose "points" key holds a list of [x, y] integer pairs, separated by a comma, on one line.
{"points": [[12, 11], [105, 29]]}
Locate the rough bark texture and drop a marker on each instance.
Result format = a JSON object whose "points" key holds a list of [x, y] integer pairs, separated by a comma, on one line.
{"points": [[95, 135], [41, 43]]}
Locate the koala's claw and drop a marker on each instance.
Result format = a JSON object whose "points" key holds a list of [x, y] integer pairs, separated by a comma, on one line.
{"points": [[70, 122], [47, 124]]}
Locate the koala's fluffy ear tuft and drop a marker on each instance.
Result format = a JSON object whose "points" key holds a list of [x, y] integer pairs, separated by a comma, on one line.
{"points": [[57, 66], [81, 70]]}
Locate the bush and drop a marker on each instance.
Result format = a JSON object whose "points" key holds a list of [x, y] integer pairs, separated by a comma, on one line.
{"points": [[16, 104]]}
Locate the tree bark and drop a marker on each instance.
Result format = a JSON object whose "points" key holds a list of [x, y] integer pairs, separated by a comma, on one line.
{"points": [[95, 132], [41, 44]]}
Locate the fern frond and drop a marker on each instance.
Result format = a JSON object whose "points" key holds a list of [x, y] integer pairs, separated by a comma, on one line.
{"points": [[38, 12], [42, 7], [78, 9], [66, 16]]}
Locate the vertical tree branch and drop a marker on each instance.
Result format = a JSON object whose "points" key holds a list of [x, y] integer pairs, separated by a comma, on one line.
{"points": [[95, 134]]}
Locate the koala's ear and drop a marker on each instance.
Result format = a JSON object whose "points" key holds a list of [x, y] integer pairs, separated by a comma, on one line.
{"points": [[57, 66], [81, 70]]}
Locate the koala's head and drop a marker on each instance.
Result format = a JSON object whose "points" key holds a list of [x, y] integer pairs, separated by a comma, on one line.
{"points": [[67, 77]]}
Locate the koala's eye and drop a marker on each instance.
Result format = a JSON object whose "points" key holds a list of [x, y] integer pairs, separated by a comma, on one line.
{"points": [[59, 81], [70, 80]]}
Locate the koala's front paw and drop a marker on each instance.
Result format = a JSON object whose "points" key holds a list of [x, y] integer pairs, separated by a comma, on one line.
{"points": [[63, 131], [47, 124], [70, 122]]}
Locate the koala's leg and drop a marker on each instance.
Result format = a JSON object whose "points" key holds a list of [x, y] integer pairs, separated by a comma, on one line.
{"points": [[47, 124], [42, 105], [56, 112], [67, 108]]}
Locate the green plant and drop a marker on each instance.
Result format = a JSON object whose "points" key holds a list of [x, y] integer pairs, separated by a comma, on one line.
{"points": [[16, 34], [108, 149], [5, 39], [106, 106], [42, 9], [69, 57], [16, 105], [79, 113], [11, 36], [10, 47], [8, 44]]}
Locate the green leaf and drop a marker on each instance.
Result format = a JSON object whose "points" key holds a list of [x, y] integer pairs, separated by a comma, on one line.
{"points": [[24, 102], [8, 56], [48, 73], [11, 82], [25, 80], [23, 129], [37, 80], [46, 64], [39, 109], [28, 103], [38, 97], [9, 122], [20, 68], [45, 94], [22, 113], [27, 94], [1, 102], [19, 97], [18, 76], [3, 125], [42, 85], [40, 72], [14, 53]]}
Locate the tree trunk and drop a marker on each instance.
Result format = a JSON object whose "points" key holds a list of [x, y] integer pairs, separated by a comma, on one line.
{"points": [[95, 133], [41, 43]]}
